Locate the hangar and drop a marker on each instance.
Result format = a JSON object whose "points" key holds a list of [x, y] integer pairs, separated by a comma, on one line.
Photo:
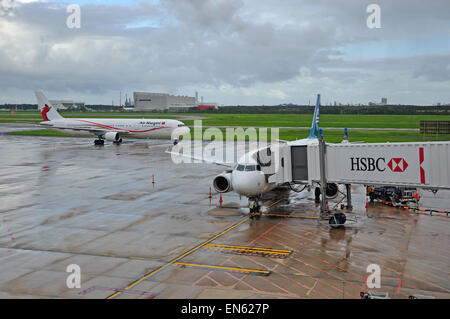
{"points": [[144, 101]]}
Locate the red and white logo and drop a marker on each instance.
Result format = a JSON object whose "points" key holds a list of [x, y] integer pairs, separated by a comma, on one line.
{"points": [[398, 165], [422, 171], [44, 112]]}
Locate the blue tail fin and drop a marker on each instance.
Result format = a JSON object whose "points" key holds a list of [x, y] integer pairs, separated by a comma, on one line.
{"points": [[314, 133]]}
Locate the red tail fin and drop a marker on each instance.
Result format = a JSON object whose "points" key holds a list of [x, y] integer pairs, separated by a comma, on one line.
{"points": [[44, 112]]}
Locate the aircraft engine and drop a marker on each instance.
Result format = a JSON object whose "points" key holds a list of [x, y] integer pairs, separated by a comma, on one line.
{"points": [[112, 137], [222, 183], [331, 190]]}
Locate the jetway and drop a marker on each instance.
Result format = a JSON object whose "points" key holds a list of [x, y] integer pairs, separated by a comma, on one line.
{"points": [[420, 165]]}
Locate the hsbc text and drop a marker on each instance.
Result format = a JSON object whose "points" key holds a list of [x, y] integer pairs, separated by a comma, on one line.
{"points": [[369, 164]]}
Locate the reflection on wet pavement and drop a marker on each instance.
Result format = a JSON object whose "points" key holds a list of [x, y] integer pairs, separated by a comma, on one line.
{"points": [[64, 201]]}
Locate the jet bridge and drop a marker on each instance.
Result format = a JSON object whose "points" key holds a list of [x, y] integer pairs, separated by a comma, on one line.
{"points": [[420, 165]]}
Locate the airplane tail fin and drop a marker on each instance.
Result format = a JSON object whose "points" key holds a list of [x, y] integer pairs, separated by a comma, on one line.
{"points": [[314, 133], [345, 139], [48, 111]]}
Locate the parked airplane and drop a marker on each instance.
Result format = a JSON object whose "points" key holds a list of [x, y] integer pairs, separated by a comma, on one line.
{"points": [[127, 108], [249, 177], [110, 129]]}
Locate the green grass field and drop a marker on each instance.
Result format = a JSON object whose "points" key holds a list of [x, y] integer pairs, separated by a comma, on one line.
{"points": [[258, 120], [270, 120], [290, 135]]}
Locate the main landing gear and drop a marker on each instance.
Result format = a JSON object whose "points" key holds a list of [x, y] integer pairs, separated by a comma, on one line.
{"points": [[99, 142], [337, 220]]}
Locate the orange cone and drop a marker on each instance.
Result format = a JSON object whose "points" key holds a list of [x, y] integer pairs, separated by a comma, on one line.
{"points": [[210, 195], [220, 200]]}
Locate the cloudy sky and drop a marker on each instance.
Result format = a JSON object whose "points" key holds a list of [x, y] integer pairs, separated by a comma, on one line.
{"points": [[230, 51]]}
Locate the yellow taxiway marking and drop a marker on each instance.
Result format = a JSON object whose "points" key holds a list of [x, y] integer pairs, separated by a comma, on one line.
{"points": [[274, 203], [265, 272], [176, 259], [267, 250]]}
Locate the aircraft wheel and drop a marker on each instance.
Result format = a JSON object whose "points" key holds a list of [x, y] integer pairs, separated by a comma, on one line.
{"points": [[337, 220]]}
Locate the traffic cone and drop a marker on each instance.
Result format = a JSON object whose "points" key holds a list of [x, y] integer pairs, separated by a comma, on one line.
{"points": [[220, 200], [210, 195], [328, 207]]}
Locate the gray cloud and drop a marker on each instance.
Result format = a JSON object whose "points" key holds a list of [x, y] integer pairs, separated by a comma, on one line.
{"points": [[242, 52]]}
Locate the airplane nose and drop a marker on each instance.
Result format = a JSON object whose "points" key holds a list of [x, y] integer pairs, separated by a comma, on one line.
{"points": [[248, 183]]}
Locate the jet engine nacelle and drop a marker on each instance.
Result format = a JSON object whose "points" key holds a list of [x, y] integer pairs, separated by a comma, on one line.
{"points": [[222, 183], [331, 190], [112, 137]]}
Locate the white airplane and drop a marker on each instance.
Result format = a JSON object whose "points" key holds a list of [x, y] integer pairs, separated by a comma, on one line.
{"points": [[127, 108], [249, 177], [110, 129]]}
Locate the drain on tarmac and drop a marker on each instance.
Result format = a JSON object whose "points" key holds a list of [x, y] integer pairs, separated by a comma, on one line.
{"points": [[252, 251], [255, 272]]}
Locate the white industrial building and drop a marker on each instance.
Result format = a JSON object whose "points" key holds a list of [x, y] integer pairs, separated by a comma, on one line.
{"points": [[159, 101], [66, 104]]}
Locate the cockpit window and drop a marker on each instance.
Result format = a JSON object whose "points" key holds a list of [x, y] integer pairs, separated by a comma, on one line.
{"points": [[180, 125], [240, 168], [250, 168]]}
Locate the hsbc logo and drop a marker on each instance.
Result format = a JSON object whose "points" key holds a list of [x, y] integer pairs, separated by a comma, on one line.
{"points": [[398, 165], [370, 164]]}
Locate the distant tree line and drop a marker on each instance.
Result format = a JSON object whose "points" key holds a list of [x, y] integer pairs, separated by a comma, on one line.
{"points": [[280, 109], [325, 109]]}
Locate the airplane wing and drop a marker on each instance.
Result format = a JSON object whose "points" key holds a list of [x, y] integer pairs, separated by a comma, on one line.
{"points": [[205, 160]]}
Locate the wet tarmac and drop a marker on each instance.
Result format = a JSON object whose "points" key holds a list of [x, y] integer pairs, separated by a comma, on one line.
{"points": [[64, 201]]}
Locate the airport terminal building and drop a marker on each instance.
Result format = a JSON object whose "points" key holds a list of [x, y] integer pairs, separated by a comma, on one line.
{"points": [[159, 101]]}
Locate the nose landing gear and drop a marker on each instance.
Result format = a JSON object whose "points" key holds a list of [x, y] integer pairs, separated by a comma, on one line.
{"points": [[255, 207]]}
